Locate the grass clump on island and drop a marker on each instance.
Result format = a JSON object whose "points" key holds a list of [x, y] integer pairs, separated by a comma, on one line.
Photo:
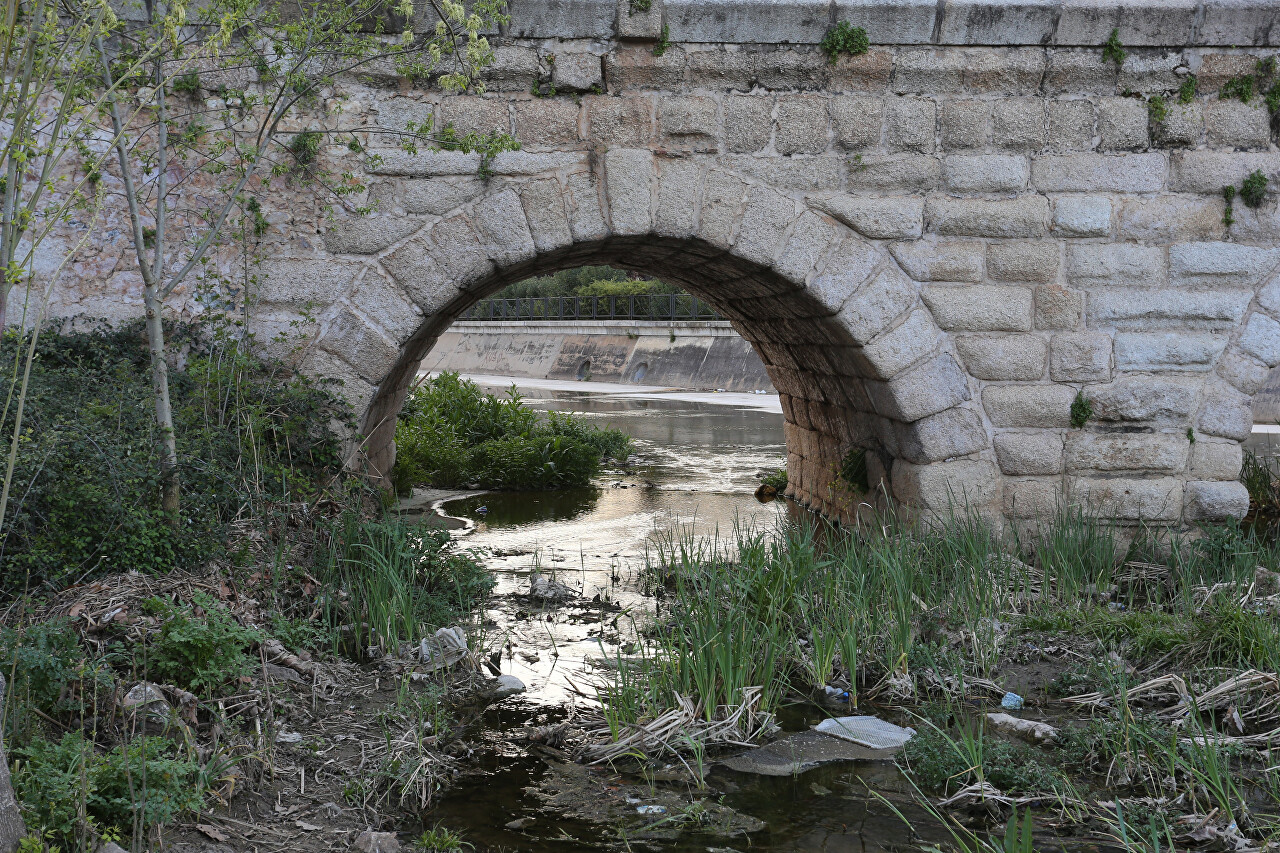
{"points": [[276, 558], [952, 617], [452, 434]]}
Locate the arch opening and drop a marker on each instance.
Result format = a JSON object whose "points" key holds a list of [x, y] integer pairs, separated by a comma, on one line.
{"points": [[833, 399]]}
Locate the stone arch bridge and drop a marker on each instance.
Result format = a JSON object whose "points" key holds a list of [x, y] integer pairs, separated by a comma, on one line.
{"points": [[935, 247]]}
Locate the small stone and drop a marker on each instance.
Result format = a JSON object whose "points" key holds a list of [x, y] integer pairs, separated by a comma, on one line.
{"points": [[1025, 729], [377, 842], [146, 704], [143, 694], [508, 685], [282, 673], [542, 588]]}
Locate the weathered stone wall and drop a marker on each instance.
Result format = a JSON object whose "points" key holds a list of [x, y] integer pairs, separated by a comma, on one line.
{"points": [[933, 247]]}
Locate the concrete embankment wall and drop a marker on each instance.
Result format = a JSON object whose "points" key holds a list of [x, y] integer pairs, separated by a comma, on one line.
{"points": [[687, 355], [1266, 403]]}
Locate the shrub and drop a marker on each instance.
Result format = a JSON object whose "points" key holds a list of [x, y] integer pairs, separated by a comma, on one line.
{"points": [[67, 787], [86, 485], [1187, 90], [1240, 88], [644, 287], [40, 661], [528, 463], [1081, 410], [609, 443], [200, 646], [300, 634], [452, 434], [1260, 480], [188, 83], [776, 480], [1227, 634], [563, 283], [1145, 634], [1113, 50], [1157, 109], [853, 470], [305, 146]]}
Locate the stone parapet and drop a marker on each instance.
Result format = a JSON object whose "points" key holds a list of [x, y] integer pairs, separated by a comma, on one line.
{"points": [[1070, 23]]}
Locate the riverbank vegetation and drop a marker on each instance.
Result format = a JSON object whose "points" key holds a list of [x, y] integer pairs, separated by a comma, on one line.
{"points": [[453, 434], [156, 663], [1154, 663], [250, 432]]}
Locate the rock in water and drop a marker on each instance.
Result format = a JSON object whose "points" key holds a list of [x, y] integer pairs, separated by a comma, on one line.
{"points": [[545, 589], [508, 685], [799, 752]]}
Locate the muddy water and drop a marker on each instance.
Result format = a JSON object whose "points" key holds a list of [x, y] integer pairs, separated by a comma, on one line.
{"points": [[694, 472]]}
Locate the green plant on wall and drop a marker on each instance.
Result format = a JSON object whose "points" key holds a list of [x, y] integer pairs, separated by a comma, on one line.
{"points": [[1113, 50], [1187, 91], [1081, 410], [1240, 88], [1157, 109], [844, 38], [1254, 189], [664, 41], [1228, 210]]}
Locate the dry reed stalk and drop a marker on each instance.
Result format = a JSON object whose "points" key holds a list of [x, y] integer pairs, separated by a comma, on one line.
{"points": [[684, 726]]}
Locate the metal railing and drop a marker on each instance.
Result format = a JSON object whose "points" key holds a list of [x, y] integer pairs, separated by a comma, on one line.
{"points": [[661, 306]]}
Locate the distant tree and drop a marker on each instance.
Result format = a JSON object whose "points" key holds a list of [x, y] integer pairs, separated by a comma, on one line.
{"points": [[586, 281]]}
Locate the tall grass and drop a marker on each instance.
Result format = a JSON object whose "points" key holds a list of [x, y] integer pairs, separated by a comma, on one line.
{"points": [[794, 609], [393, 583]]}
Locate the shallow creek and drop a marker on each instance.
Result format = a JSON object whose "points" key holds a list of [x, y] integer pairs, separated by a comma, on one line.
{"points": [[693, 473]]}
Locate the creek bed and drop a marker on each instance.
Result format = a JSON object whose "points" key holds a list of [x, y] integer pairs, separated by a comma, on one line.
{"points": [[694, 472]]}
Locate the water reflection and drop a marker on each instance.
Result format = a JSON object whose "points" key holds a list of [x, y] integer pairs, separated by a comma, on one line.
{"points": [[694, 473], [515, 509]]}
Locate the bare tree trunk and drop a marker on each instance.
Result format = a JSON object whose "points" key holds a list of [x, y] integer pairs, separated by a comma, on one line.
{"points": [[170, 483], [153, 297], [12, 827]]}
